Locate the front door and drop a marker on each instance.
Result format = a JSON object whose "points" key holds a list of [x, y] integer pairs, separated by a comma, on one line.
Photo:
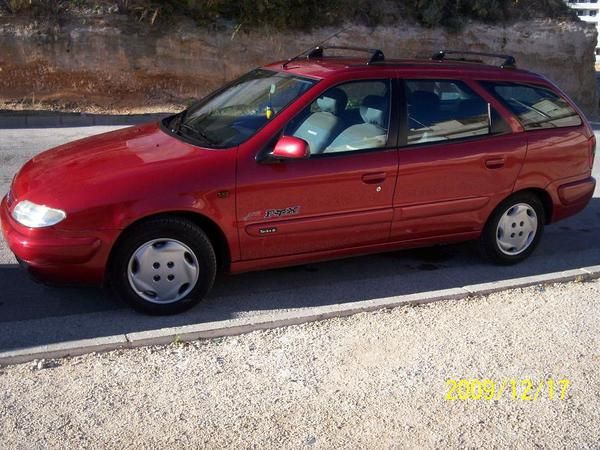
{"points": [[341, 196]]}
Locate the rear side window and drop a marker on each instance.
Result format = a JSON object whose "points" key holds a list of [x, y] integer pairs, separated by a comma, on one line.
{"points": [[442, 110], [535, 107]]}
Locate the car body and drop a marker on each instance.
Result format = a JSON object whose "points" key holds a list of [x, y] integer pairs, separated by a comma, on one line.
{"points": [[425, 152]]}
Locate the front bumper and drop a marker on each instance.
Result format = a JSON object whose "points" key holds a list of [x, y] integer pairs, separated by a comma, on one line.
{"points": [[54, 255]]}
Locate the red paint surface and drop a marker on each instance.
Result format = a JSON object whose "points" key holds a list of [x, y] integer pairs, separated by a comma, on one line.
{"points": [[347, 204]]}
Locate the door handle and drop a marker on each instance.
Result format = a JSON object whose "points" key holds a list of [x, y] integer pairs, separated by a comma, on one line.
{"points": [[494, 163], [372, 178]]}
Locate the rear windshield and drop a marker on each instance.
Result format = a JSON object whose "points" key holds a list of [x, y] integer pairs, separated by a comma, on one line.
{"points": [[535, 107]]}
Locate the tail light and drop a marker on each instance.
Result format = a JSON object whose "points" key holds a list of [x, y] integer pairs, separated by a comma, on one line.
{"points": [[592, 143]]}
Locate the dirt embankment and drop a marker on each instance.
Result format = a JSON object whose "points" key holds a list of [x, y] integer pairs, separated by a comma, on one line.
{"points": [[112, 64]]}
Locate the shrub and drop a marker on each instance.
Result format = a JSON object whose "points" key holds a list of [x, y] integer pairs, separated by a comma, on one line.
{"points": [[18, 5], [304, 14]]}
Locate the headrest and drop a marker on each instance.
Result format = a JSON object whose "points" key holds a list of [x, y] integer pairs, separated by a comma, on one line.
{"points": [[472, 107], [425, 100], [373, 110], [333, 101]]}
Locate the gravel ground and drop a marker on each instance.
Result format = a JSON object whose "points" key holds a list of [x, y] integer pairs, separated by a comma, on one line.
{"points": [[371, 380]]}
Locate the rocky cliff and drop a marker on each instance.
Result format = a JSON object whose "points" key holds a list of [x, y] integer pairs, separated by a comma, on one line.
{"points": [[112, 64]]}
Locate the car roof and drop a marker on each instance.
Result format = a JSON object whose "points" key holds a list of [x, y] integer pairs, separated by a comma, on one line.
{"points": [[323, 68]]}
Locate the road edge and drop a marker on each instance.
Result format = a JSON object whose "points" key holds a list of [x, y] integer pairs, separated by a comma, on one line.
{"points": [[234, 327], [50, 119]]}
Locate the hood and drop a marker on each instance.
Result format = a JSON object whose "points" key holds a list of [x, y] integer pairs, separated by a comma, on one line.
{"points": [[97, 161]]}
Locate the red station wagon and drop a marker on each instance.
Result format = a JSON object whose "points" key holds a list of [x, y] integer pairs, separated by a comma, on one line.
{"points": [[313, 158]]}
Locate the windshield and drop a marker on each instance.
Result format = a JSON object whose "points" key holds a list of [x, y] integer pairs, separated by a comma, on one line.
{"points": [[236, 113]]}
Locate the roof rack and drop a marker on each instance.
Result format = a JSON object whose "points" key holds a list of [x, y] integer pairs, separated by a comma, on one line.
{"points": [[375, 55], [509, 61]]}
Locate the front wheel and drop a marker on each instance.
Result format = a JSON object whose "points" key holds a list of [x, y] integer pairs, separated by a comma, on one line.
{"points": [[163, 266], [514, 229]]}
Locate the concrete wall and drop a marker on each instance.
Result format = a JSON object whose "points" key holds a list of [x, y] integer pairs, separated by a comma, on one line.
{"points": [[112, 64]]}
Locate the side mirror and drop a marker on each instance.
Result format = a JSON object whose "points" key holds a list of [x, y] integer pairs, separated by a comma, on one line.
{"points": [[290, 147]]}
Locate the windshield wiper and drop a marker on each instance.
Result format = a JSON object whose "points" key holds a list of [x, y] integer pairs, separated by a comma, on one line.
{"points": [[175, 123], [180, 124], [196, 132]]}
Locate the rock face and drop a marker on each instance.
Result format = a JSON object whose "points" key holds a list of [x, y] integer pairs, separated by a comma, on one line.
{"points": [[113, 64]]}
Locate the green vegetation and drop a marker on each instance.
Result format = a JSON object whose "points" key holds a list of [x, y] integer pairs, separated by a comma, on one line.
{"points": [[305, 14]]}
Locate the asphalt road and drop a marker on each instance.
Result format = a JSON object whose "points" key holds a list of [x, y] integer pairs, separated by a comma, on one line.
{"points": [[33, 314]]}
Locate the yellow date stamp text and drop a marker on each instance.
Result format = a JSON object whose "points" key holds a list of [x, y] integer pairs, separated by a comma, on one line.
{"points": [[508, 388]]}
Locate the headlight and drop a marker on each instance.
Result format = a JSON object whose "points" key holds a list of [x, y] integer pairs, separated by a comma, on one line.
{"points": [[37, 216]]}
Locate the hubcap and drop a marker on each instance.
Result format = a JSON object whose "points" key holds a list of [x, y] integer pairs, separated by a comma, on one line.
{"points": [[516, 229], [163, 271]]}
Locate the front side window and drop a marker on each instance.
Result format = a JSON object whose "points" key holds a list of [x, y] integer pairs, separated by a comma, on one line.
{"points": [[236, 113], [350, 117], [442, 110], [535, 107]]}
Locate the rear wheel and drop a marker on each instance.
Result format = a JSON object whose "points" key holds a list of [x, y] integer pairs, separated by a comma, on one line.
{"points": [[514, 229], [163, 266]]}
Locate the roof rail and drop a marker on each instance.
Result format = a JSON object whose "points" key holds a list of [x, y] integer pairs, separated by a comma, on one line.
{"points": [[375, 55], [509, 61]]}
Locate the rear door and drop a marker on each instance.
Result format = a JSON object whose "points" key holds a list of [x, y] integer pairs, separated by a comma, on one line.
{"points": [[342, 195], [559, 145], [458, 157]]}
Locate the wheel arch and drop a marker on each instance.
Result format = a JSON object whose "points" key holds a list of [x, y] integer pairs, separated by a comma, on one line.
{"points": [[544, 197], [213, 231]]}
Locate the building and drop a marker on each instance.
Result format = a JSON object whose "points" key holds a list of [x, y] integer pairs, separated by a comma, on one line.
{"points": [[588, 11]]}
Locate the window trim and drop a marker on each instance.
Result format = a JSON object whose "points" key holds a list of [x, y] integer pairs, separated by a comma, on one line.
{"points": [[403, 135], [499, 99]]}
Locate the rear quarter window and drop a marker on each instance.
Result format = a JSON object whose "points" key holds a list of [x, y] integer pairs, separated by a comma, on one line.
{"points": [[536, 107]]}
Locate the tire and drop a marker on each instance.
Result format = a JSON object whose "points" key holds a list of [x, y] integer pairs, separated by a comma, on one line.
{"points": [[518, 222], [163, 266]]}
